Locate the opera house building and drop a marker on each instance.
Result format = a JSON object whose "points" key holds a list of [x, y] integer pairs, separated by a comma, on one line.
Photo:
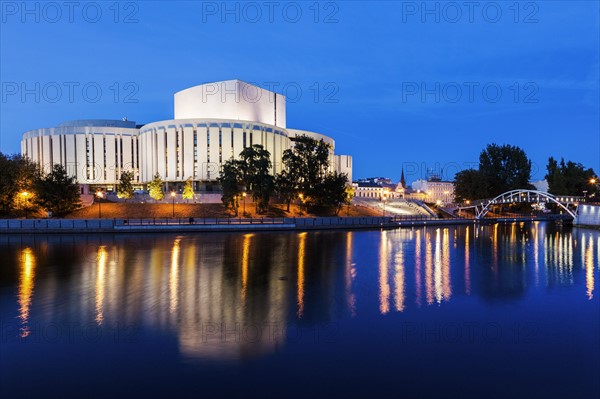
{"points": [[212, 123]]}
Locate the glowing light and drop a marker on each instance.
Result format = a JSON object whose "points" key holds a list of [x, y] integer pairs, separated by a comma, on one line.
{"points": [[100, 283], [589, 268], [437, 270], [467, 262], [399, 281], [384, 285], [99, 194], [174, 277], [418, 293], [428, 269], [245, 264], [301, 260], [350, 275], [26, 282]]}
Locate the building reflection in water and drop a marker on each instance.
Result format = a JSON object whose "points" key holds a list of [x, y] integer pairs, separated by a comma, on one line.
{"points": [[301, 265], [384, 284], [227, 296], [588, 251], [26, 282], [245, 264], [467, 260], [399, 295], [350, 274], [174, 277], [418, 271], [100, 283]]}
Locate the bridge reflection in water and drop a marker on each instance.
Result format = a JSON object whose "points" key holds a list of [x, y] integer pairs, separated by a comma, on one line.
{"points": [[229, 296]]}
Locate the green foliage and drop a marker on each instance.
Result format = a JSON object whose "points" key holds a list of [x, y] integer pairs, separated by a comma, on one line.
{"points": [[17, 184], [469, 184], [254, 166], [125, 186], [188, 190], [57, 192], [332, 191], [504, 168], [231, 184], [286, 187], [155, 188], [306, 167], [570, 178], [501, 168]]}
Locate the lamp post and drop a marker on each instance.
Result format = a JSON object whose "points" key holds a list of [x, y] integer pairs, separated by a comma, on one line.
{"points": [[301, 196], [173, 197], [25, 194], [384, 199], [99, 194]]}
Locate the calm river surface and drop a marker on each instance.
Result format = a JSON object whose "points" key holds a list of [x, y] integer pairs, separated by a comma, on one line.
{"points": [[502, 311]]}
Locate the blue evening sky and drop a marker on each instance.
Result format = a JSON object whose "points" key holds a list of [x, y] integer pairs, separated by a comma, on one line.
{"points": [[424, 85]]}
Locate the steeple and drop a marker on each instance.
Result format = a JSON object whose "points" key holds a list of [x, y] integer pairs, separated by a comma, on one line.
{"points": [[402, 181]]}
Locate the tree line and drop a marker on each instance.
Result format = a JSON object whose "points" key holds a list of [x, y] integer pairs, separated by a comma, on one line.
{"points": [[504, 168], [305, 178], [25, 188]]}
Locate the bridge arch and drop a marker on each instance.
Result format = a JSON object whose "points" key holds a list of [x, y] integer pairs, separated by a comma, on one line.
{"points": [[510, 195]]}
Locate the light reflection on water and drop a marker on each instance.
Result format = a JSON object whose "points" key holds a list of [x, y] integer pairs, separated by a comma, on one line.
{"points": [[205, 287]]}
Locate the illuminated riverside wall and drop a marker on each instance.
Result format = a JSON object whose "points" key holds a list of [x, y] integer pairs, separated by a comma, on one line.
{"points": [[588, 215]]}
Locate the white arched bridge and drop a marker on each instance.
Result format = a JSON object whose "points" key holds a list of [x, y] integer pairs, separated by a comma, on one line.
{"points": [[482, 207]]}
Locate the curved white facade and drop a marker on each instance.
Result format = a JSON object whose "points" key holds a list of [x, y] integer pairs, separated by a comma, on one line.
{"points": [[92, 151], [231, 100], [196, 148], [213, 123]]}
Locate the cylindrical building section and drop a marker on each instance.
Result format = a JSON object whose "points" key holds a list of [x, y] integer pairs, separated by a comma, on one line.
{"points": [[95, 152], [197, 148]]}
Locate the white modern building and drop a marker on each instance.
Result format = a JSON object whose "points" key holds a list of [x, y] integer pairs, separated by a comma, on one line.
{"points": [[213, 123]]}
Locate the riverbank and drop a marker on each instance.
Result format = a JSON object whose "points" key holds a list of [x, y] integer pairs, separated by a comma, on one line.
{"points": [[161, 225], [120, 210]]}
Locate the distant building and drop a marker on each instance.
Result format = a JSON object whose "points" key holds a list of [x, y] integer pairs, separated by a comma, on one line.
{"points": [[376, 187], [433, 190], [540, 185]]}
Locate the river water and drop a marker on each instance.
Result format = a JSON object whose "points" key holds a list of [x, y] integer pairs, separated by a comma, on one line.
{"points": [[500, 311]]}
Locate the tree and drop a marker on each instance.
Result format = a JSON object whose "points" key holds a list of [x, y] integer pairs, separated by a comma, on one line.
{"points": [[332, 191], [501, 169], [188, 190], [125, 187], [504, 168], [254, 167], [470, 184], [155, 188], [286, 187], [230, 178], [17, 183], [570, 178], [306, 165], [57, 192]]}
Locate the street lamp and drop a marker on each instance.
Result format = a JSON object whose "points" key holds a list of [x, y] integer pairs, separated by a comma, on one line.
{"points": [[384, 199], [173, 197], [25, 194], [244, 196], [99, 194], [301, 196]]}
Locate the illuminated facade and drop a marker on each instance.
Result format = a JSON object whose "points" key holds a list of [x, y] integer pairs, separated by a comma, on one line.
{"points": [[213, 123]]}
